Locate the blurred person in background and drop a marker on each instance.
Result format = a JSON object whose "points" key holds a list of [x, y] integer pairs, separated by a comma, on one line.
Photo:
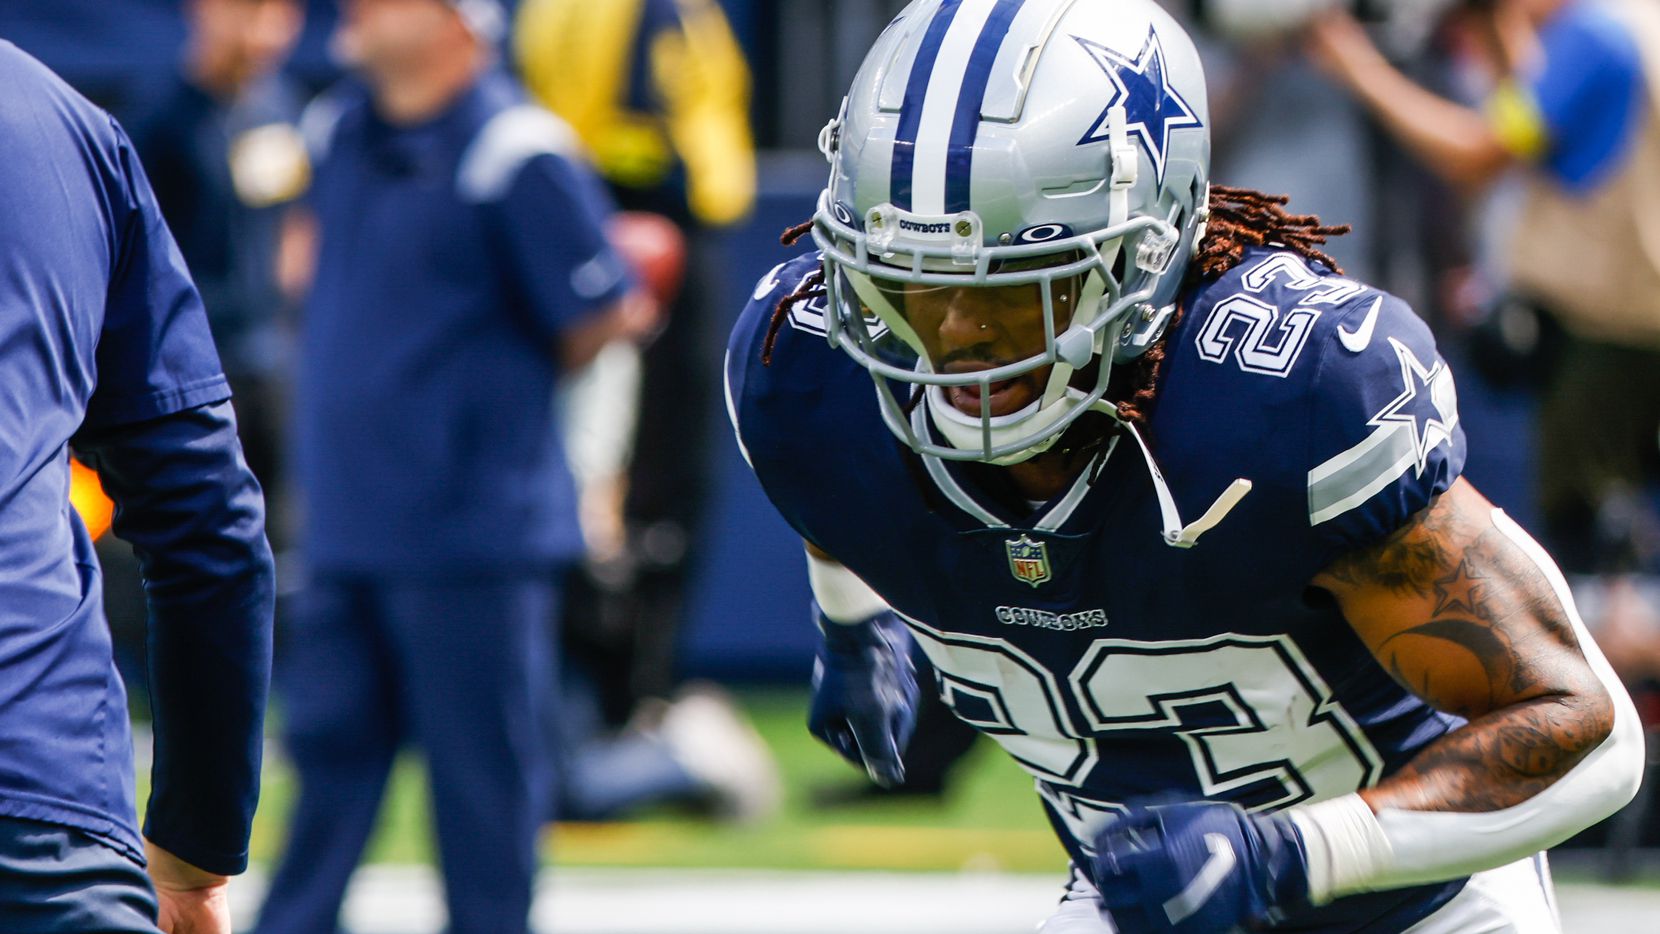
{"points": [[658, 91], [462, 266], [227, 162], [699, 751], [1273, 116], [1573, 106], [105, 347]]}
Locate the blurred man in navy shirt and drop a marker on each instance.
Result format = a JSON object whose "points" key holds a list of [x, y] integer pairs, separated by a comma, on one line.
{"points": [[228, 162], [105, 346], [461, 268]]}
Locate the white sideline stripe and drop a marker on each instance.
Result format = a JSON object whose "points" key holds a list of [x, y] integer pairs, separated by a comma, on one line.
{"points": [[939, 106], [407, 900]]}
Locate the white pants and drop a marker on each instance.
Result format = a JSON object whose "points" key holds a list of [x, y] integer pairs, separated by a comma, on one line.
{"points": [[1512, 899]]}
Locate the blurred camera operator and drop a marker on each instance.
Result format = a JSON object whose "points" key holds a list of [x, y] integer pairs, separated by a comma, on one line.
{"points": [[1572, 106]]}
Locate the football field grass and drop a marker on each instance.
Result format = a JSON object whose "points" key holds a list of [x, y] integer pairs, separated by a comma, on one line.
{"points": [[988, 820], [980, 861]]}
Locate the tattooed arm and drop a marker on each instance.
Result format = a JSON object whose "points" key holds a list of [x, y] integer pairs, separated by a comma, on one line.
{"points": [[1454, 610], [1469, 614]]}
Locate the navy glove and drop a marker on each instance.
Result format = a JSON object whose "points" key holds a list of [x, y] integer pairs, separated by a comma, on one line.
{"points": [[865, 694], [1198, 867]]}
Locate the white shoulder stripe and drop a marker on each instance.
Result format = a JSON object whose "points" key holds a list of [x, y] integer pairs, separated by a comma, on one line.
{"points": [[504, 144], [1352, 477], [317, 124]]}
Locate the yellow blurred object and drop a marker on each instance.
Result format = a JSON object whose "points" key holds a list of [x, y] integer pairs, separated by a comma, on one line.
{"points": [[86, 494], [577, 58], [1514, 115]]}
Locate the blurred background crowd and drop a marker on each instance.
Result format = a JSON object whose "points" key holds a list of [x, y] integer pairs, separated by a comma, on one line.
{"points": [[1522, 227]]}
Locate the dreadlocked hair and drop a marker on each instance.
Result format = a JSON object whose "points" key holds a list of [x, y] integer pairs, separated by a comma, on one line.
{"points": [[1244, 217], [1240, 218], [811, 287]]}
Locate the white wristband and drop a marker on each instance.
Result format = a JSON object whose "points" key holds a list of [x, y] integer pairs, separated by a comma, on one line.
{"points": [[841, 595], [1345, 845]]}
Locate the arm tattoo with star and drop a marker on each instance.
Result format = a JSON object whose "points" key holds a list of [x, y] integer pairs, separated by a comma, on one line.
{"points": [[1462, 618]]}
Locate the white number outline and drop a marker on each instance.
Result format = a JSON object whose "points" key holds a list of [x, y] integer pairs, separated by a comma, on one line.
{"points": [[1322, 290], [1270, 344], [1270, 341], [1078, 750], [1080, 728], [1163, 713]]}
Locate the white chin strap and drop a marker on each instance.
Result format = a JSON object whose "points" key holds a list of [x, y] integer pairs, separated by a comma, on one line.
{"points": [[963, 431], [1175, 533], [966, 432]]}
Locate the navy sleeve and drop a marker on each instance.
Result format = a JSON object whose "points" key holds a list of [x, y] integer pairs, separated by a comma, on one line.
{"points": [[766, 402], [551, 223], [186, 501], [1384, 438], [155, 354], [744, 347]]}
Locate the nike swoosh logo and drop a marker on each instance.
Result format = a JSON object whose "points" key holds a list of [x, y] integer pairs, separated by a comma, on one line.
{"points": [[1356, 341], [767, 284], [1183, 904]]}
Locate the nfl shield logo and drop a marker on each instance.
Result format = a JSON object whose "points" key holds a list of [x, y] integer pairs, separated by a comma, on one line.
{"points": [[1028, 560]]}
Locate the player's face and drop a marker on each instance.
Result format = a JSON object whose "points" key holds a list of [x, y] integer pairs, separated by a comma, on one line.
{"points": [[964, 330], [240, 40], [387, 36]]}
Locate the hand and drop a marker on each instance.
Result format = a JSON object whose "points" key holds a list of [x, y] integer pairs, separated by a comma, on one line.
{"points": [[654, 247], [641, 317], [1338, 45], [865, 694], [190, 900], [1198, 867]]}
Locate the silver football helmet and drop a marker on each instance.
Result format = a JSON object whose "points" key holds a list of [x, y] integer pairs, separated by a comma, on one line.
{"points": [[1016, 156]]}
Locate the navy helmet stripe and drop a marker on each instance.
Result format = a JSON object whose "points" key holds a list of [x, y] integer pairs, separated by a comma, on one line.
{"points": [[965, 124], [910, 111]]}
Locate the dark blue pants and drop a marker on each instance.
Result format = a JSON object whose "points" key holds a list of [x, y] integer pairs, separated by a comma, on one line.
{"points": [[57, 879], [461, 670]]}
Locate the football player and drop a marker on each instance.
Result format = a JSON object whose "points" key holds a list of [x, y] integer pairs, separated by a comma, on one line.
{"points": [[1175, 509]]}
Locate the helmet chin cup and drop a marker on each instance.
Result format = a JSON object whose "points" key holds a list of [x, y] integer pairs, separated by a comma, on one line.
{"points": [[966, 432]]}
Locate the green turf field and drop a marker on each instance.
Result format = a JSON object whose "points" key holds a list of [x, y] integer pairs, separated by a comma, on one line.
{"points": [[990, 819]]}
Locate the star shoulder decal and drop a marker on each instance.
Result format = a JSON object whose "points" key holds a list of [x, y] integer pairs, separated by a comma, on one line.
{"points": [[1429, 425], [1404, 433], [1152, 108]]}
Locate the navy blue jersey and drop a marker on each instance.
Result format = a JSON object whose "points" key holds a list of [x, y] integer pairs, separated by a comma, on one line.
{"points": [[1109, 664], [453, 254], [103, 339]]}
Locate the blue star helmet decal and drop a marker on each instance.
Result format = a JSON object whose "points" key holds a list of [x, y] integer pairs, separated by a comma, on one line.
{"points": [[1152, 108]]}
